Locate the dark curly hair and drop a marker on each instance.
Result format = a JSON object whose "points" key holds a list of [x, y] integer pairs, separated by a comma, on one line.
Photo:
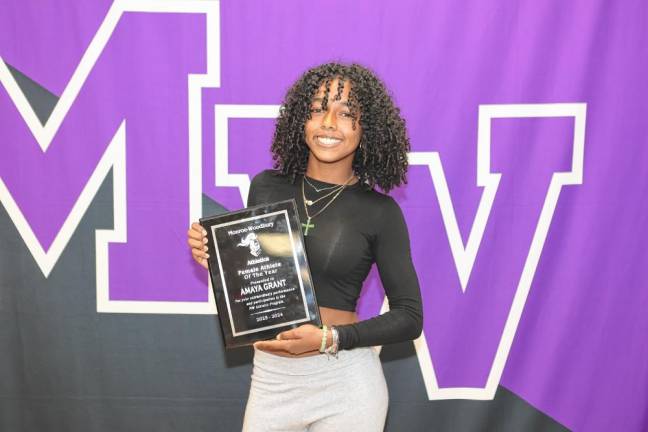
{"points": [[381, 157]]}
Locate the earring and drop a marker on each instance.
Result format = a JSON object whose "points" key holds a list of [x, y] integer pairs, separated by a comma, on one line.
{"points": [[363, 151]]}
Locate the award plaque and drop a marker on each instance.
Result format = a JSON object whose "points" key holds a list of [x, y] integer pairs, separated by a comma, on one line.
{"points": [[259, 273]]}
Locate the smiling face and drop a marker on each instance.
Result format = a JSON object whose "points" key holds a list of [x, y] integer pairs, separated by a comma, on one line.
{"points": [[333, 132]]}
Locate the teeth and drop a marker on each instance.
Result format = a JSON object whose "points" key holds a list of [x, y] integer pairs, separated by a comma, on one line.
{"points": [[328, 141]]}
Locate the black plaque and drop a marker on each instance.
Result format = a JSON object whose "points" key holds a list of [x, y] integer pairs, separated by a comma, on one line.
{"points": [[259, 272]]}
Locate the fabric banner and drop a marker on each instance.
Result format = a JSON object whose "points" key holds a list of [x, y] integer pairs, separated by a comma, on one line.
{"points": [[124, 121]]}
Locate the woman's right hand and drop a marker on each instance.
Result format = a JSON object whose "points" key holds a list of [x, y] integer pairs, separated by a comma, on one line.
{"points": [[197, 239]]}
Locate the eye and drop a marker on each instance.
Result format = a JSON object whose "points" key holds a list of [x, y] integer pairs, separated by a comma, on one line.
{"points": [[316, 110], [347, 114]]}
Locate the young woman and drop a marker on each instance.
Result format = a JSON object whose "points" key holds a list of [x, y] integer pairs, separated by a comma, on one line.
{"points": [[338, 136]]}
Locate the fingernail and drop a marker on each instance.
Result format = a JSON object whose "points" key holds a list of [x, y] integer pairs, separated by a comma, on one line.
{"points": [[206, 255], [205, 240], [204, 232]]}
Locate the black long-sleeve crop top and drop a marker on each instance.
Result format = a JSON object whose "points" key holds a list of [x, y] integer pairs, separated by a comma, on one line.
{"points": [[360, 227]]}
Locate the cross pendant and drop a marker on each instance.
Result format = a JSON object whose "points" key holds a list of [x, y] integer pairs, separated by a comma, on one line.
{"points": [[308, 226]]}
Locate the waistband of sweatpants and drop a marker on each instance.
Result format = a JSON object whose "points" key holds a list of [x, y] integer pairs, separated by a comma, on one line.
{"points": [[311, 364]]}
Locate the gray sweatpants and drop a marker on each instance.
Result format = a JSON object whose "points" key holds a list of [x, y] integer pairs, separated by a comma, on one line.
{"points": [[317, 393]]}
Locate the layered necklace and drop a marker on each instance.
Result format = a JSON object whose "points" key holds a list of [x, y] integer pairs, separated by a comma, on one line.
{"points": [[333, 191]]}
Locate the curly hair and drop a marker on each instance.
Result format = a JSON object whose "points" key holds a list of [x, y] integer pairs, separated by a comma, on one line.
{"points": [[380, 159]]}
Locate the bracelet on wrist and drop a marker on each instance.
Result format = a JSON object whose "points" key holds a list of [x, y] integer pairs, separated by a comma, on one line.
{"points": [[332, 351], [323, 344]]}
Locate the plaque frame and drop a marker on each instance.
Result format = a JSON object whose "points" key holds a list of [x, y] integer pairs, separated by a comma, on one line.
{"points": [[226, 282]]}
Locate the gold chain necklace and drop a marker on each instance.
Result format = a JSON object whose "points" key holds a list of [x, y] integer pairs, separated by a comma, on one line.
{"points": [[318, 190], [310, 202], [308, 225]]}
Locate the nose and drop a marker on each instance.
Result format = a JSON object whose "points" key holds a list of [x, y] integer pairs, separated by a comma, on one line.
{"points": [[328, 121]]}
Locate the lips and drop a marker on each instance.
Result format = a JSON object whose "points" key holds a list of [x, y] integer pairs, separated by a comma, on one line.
{"points": [[327, 141]]}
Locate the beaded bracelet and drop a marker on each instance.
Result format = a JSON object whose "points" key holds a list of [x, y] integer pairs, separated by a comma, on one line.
{"points": [[332, 351], [323, 345]]}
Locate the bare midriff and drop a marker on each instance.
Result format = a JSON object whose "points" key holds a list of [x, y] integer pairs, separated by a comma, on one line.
{"points": [[333, 317], [330, 317]]}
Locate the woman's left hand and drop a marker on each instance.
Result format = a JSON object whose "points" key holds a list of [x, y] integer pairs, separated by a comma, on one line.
{"points": [[303, 339]]}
